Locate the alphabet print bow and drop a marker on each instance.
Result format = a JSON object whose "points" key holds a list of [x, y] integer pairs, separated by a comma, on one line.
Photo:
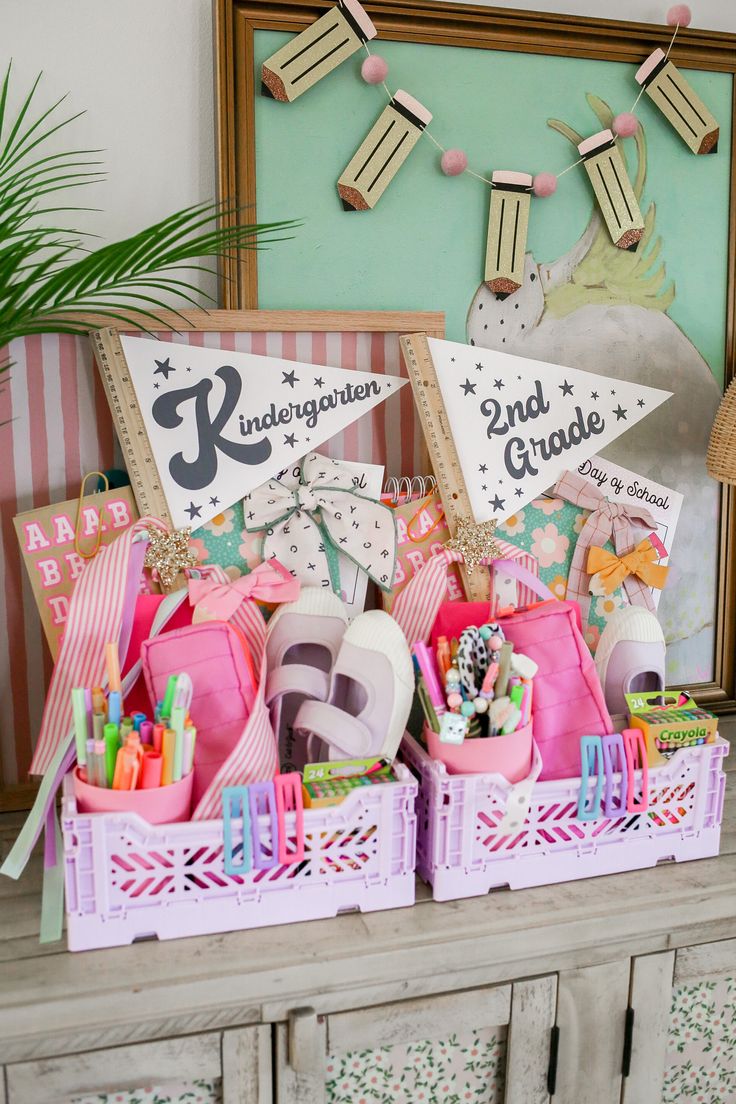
{"points": [[306, 527], [609, 570]]}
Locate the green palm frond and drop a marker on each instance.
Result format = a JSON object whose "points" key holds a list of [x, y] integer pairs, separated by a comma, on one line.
{"points": [[50, 275]]}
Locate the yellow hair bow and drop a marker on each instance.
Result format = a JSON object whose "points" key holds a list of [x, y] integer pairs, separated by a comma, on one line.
{"points": [[611, 570]]}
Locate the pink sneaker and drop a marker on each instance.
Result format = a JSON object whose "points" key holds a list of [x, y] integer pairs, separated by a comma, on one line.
{"points": [[302, 642], [371, 692]]}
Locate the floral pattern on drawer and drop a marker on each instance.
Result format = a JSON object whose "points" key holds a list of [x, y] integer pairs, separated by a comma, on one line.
{"points": [[191, 1092], [450, 1071], [701, 1051]]}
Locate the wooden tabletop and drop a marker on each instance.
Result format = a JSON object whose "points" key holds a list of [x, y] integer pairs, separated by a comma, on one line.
{"points": [[52, 1001]]}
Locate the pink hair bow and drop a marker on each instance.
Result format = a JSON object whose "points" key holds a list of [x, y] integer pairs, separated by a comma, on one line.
{"points": [[214, 600], [614, 521]]}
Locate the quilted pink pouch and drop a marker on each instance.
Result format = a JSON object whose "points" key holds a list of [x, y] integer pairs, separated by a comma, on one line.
{"points": [[216, 657], [568, 699]]}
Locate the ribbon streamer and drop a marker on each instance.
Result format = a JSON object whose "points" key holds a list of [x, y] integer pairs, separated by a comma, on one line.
{"points": [[607, 521], [306, 527], [611, 570]]}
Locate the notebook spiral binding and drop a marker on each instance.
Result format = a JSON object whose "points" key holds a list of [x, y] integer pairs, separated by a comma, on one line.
{"points": [[405, 488]]}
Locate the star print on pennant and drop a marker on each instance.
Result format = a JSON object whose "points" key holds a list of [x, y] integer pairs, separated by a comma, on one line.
{"points": [[163, 368], [236, 419], [527, 421]]}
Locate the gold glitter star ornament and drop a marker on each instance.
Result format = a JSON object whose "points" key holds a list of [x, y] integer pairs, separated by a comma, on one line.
{"points": [[476, 541], [168, 554]]}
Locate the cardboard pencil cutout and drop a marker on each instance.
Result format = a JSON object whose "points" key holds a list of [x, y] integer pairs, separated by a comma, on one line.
{"points": [[519, 424], [508, 220], [384, 150], [678, 101], [314, 53], [616, 200], [221, 423]]}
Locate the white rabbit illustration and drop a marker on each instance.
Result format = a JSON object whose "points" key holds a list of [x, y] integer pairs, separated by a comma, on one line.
{"points": [[603, 310]]}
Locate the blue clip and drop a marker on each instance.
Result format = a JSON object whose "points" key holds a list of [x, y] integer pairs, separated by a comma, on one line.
{"points": [[235, 807], [591, 748], [262, 800], [614, 759]]}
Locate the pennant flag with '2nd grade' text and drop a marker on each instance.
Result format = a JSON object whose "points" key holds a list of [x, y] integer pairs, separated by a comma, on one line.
{"points": [[518, 424]]}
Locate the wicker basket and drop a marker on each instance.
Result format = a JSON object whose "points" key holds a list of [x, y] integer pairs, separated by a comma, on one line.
{"points": [[721, 458]]}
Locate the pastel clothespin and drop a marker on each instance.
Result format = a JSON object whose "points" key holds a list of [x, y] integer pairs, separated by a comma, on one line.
{"points": [[289, 799], [591, 763], [235, 807], [262, 800], [635, 750], [614, 759]]}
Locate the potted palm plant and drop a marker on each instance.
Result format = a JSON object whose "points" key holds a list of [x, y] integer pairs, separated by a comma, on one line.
{"points": [[49, 275]]}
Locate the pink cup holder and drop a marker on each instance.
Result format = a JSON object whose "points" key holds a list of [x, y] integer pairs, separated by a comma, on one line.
{"points": [[163, 805], [509, 755]]}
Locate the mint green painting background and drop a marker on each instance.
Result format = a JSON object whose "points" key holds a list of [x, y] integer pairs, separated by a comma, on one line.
{"points": [[422, 248]]}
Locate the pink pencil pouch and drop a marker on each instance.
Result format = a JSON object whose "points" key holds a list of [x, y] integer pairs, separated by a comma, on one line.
{"points": [[216, 657]]}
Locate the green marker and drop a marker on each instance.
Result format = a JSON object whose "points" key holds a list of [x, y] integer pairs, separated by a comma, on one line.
{"points": [[169, 696], [112, 746]]}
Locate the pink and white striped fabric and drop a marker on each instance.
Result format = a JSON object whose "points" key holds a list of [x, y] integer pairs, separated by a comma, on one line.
{"points": [[524, 596], [101, 610], [55, 426], [104, 593]]}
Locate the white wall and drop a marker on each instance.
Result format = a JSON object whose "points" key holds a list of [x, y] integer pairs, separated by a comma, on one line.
{"points": [[142, 69]]}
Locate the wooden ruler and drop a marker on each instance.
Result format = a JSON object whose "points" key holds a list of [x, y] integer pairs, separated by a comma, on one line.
{"points": [[441, 445], [129, 424]]}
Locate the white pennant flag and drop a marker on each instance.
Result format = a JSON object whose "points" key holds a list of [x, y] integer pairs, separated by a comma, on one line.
{"points": [[518, 424], [220, 423]]}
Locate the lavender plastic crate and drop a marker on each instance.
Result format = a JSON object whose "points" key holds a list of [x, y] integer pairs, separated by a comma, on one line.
{"points": [[126, 879], [460, 853]]}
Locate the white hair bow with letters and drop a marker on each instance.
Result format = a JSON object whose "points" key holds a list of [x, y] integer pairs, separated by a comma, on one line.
{"points": [[306, 527]]}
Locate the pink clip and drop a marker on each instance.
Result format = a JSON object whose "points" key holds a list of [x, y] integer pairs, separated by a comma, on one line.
{"points": [[635, 750], [289, 800]]}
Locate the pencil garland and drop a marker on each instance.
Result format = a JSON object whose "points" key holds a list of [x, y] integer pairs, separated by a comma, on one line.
{"points": [[397, 130]]}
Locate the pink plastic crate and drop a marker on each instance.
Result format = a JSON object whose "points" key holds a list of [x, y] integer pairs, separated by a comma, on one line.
{"points": [[460, 853], [126, 879]]}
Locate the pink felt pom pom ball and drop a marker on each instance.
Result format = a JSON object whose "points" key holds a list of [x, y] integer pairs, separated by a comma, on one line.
{"points": [[374, 69], [453, 162], [625, 124], [545, 184], [679, 15]]}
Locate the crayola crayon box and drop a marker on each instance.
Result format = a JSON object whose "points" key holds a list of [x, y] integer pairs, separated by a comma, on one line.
{"points": [[670, 720]]}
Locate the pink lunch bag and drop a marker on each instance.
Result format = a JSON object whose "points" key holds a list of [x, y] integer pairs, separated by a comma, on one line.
{"points": [[568, 699]]}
